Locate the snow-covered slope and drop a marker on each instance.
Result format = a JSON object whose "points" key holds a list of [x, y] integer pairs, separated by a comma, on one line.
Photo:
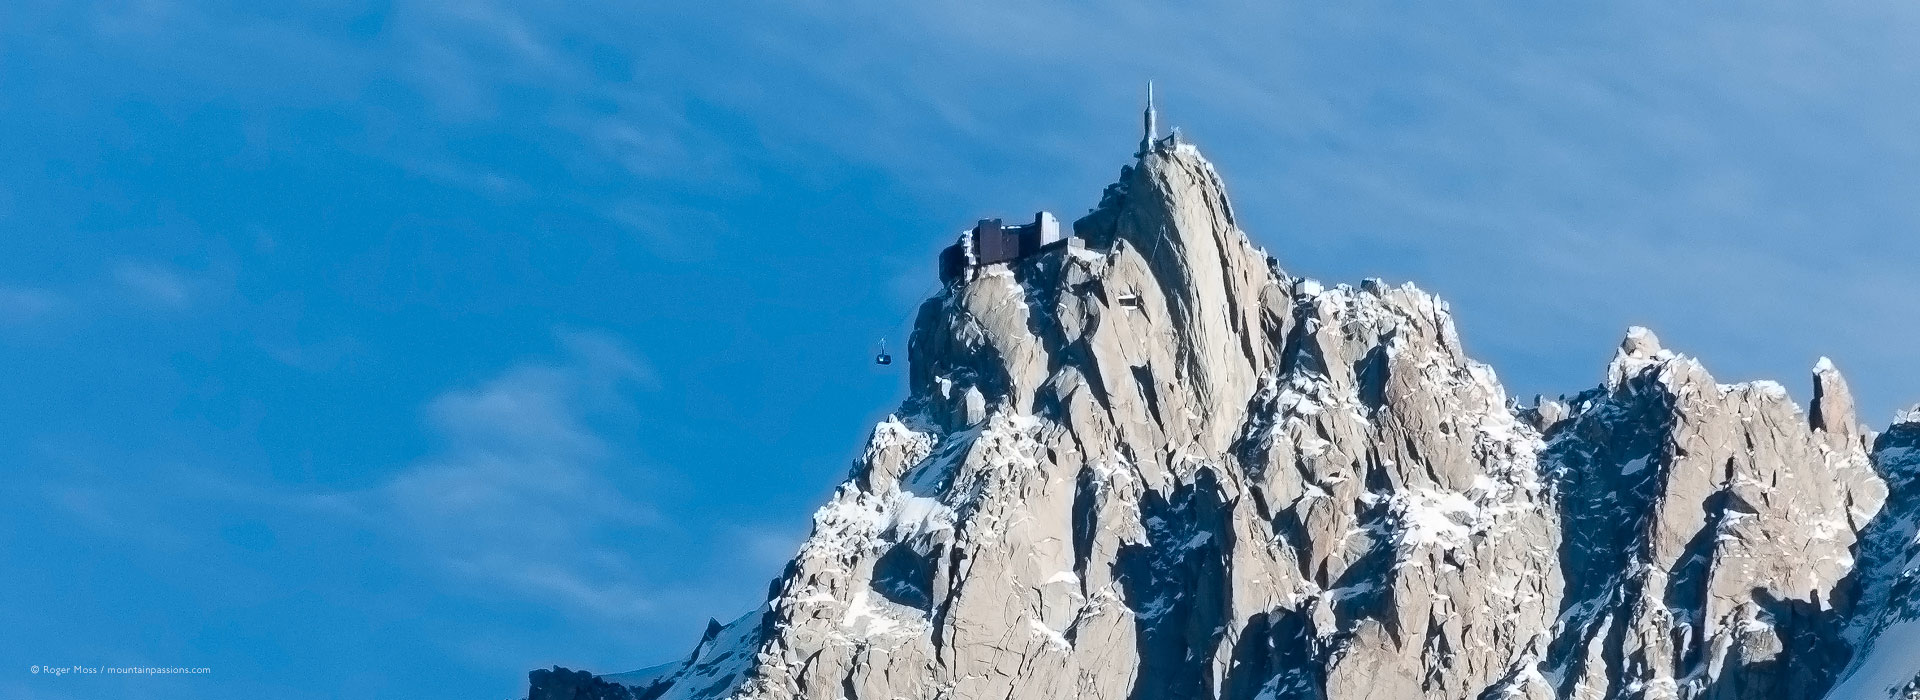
{"points": [[1250, 485]]}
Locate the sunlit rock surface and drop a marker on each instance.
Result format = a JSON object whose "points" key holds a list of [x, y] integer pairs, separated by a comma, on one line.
{"points": [[1243, 484]]}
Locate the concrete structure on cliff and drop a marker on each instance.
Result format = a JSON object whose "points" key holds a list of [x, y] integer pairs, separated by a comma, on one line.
{"points": [[991, 241]]}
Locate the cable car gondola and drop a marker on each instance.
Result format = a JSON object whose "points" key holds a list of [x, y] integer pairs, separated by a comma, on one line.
{"points": [[883, 358]]}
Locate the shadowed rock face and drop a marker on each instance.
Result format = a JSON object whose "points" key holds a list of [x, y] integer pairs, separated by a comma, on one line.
{"points": [[1253, 486], [561, 684]]}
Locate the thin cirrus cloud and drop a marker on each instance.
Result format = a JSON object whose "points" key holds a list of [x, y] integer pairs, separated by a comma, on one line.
{"points": [[127, 285], [517, 497], [153, 285], [1475, 151], [21, 305]]}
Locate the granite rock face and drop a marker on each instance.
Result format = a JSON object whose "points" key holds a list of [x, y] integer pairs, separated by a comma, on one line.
{"points": [[1710, 531], [1156, 466]]}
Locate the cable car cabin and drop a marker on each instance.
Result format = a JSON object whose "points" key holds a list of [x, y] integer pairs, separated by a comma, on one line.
{"points": [[883, 359]]}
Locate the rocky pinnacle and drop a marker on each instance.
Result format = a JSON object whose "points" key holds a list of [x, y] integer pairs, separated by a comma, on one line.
{"points": [[1241, 484]]}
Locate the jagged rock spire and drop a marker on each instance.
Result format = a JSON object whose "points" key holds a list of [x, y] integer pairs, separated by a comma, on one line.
{"points": [[1832, 412]]}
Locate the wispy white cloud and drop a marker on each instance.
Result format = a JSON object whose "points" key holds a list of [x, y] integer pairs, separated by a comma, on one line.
{"points": [[516, 502], [19, 305], [126, 18], [107, 512], [1446, 145], [516, 499], [461, 53], [154, 285], [453, 172]]}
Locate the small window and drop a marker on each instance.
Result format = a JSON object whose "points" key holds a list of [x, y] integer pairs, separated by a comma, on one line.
{"points": [[1130, 301]]}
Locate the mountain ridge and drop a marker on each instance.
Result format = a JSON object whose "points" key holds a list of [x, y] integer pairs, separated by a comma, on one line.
{"points": [[1243, 484]]}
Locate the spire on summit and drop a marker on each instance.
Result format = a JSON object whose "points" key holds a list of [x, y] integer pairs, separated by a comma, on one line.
{"points": [[1150, 126]]}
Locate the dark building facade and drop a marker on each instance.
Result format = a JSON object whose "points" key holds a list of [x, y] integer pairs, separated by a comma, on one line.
{"points": [[992, 241]]}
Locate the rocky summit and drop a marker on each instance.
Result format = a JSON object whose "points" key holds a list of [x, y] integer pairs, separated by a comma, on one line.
{"points": [[1153, 465]]}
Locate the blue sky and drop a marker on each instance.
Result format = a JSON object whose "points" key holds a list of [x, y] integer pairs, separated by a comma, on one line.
{"points": [[396, 348]]}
